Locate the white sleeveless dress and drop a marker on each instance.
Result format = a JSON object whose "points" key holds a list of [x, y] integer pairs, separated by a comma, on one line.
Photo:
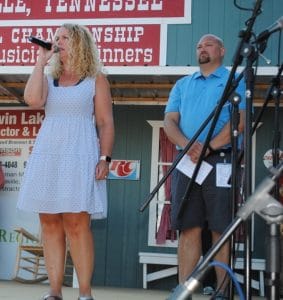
{"points": [[60, 172]]}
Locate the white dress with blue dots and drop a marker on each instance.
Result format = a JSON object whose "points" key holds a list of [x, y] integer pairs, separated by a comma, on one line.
{"points": [[60, 172]]}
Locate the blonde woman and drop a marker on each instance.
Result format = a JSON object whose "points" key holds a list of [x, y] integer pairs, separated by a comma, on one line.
{"points": [[64, 181]]}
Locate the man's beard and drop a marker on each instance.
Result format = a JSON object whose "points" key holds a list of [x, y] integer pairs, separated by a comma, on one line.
{"points": [[203, 59]]}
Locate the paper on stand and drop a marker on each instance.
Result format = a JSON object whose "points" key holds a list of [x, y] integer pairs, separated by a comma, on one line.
{"points": [[187, 167], [223, 173]]}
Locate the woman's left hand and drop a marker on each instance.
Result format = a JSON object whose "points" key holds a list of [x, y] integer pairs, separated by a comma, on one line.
{"points": [[102, 170]]}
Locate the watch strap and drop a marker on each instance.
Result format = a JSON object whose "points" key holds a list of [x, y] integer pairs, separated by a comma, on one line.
{"points": [[105, 158]]}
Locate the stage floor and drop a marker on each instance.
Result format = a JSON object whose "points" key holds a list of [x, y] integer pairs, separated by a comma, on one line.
{"points": [[11, 290]]}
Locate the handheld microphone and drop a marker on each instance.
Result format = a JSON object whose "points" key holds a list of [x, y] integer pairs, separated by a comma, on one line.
{"points": [[278, 25], [43, 44]]}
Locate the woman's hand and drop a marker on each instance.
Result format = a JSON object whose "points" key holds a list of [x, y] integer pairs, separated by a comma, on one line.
{"points": [[44, 55], [102, 170]]}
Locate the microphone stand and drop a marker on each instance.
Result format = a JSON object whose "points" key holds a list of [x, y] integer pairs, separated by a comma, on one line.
{"points": [[248, 162], [273, 247], [188, 146], [244, 49], [234, 171], [272, 91], [245, 37], [260, 202]]}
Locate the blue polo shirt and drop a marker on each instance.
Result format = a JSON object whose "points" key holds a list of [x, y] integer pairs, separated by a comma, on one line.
{"points": [[194, 97]]}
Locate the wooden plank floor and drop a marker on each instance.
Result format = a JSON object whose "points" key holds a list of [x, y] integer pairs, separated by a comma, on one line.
{"points": [[11, 290]]}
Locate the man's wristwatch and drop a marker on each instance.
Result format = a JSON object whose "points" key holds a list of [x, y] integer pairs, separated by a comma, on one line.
{"points": [[105, 158]]}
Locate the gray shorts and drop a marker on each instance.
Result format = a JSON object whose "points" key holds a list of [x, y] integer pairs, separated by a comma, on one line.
{"points": [[205, 202]]}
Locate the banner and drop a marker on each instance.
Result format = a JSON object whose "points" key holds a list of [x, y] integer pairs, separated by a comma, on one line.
{"points": [[18, 129], [118, 45], [127, 32], [85, 9]]}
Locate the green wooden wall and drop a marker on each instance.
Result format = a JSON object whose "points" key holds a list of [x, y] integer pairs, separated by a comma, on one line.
{"points": [[123, 234], [222, 18]]}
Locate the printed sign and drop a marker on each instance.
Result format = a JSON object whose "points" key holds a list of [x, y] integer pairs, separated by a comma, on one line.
{"points": [[18, 129], [85, 9], [124, 169], [118, 45], [127, 32], [17, 133]]}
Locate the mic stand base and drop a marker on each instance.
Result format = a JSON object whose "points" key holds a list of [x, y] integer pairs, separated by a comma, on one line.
{"points": [[260, 202], [273, 263], [184, 291]]}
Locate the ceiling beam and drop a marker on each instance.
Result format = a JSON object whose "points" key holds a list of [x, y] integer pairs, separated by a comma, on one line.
{"points": [[12, 92]]}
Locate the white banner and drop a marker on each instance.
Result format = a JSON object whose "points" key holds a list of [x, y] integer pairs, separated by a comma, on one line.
{"points": [[18, 129]]}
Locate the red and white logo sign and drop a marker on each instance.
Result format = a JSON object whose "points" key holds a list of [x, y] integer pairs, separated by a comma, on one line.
{"points": [[268, 158], [124, 169]]}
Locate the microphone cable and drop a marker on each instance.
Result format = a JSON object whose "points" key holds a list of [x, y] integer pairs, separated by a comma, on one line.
{"points": [[240, 7], [232, 276], [279, 47]]}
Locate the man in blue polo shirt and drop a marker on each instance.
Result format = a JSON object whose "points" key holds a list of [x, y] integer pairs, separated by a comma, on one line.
{"points": [[191, 101]]}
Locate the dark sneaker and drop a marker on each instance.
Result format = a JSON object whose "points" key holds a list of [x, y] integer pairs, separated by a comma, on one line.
{"points": [[208, 290], [220, 296]]}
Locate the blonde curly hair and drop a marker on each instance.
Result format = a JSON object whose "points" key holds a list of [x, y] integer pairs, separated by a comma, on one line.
{"points": [[83, 56]]}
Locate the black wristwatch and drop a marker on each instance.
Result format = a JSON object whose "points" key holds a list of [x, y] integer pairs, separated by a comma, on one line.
{"points": [[105, 157]]}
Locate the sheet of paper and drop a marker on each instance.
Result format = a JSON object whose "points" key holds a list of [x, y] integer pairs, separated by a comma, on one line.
{"points": [[187, 167], [223, 173]]}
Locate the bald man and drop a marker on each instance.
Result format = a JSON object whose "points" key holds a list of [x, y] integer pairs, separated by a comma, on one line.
{"points": [[191, 101]]}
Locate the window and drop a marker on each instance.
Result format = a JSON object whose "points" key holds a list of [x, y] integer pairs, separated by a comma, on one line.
{"points": [[163, 153]]}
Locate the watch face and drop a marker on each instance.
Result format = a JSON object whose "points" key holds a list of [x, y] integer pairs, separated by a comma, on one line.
{"points": [[108, 158]]}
